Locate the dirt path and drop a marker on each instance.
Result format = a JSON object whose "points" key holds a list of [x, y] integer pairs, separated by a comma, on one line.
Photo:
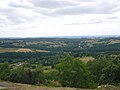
{"points": [[3, 85], [13, 86], [17, 86]]}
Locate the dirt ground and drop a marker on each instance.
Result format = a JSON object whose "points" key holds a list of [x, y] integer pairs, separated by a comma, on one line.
{"points": [[17, 86]]}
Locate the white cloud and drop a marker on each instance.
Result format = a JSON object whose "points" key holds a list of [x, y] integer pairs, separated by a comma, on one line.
{"points": [[34, 18]]}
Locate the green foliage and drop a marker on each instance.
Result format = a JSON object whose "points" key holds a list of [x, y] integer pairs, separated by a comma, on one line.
{"points": [[18, 75], [111, 73], [51, 78], [96, 67], [74, 73], [106, 70], [38, 76], [4, 71], [26, 75]]}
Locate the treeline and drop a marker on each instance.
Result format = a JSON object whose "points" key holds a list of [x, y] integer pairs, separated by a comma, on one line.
{"points": [[45, 59], [64, 44], [105, 48], [70, 72]]}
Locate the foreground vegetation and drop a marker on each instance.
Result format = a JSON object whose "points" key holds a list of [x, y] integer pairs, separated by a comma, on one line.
{"points": [[70, 72]]}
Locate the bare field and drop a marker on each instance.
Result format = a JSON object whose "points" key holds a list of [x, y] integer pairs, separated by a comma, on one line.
{"points": [[87, 59], [3, 50], [114, 41]]}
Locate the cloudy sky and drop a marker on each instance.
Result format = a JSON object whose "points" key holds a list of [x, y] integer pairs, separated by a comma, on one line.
{"points": [[38, 18]]}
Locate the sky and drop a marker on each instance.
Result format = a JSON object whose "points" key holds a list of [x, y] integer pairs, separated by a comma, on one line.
{"points": [[41, 18]]}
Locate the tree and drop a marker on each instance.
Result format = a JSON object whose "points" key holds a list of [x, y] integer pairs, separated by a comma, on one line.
{"points": [[19, 75], [38, 76], [74, 73], [4, 71], [111, 73], [96, 67], [22, 74], [51, 78], [106, 70]]}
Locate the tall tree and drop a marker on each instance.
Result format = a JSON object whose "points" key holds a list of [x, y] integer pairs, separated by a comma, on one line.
{"points": [[74, 73]]}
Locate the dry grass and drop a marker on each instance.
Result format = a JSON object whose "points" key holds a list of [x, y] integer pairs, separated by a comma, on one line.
{"points": [[16, 86], [87, 59], [24, 50], [42, 51], [114, 41], [3, 50]]}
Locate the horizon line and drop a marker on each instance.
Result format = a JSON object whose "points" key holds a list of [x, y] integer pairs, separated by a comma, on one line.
{"points": [[71, 36]]}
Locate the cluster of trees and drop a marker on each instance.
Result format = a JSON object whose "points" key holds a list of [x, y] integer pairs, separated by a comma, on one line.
{"points": [[43, 58], [21, 74], [70, 72], [104, 48], [106, 70]]}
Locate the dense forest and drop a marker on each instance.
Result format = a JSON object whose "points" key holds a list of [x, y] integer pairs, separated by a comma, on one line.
{"points": [[61, 61]]}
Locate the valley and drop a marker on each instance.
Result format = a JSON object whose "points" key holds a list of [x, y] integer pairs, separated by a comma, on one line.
{"points": [[53, 63]]}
